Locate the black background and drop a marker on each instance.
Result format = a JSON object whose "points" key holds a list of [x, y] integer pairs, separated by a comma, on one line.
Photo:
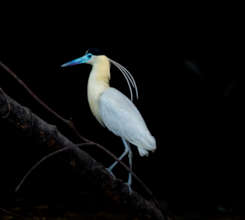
{"points": [[188, 63]]}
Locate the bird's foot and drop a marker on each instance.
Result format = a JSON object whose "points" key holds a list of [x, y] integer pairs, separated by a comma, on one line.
{"points": [[109, 171]]}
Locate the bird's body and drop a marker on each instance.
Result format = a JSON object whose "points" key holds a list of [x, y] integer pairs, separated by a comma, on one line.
{"points": [[113, 109], [122, 118]]}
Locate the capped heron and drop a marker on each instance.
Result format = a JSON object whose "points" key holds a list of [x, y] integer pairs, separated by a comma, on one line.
{"points": [[113, 109]]}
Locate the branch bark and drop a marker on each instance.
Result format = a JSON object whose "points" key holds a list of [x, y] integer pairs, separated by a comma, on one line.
{"points": [[29, 124]]}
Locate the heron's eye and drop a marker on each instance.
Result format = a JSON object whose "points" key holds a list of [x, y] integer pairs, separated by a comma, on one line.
{"points": [[89, 55]]}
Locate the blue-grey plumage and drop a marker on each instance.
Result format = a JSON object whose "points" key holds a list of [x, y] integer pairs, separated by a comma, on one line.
{"points": [[113, 109]]}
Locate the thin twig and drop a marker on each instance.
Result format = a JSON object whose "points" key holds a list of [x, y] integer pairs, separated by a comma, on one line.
{"points": [[37, 165], [32, 93]]}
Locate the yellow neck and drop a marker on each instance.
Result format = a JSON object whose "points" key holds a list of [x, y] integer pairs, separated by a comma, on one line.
{"points": [[98, 82]]}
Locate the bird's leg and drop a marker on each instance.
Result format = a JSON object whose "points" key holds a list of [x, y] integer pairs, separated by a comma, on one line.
{"points": [[120, 158], [130, 159]]}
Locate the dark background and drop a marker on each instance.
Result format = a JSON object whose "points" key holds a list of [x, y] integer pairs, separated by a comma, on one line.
{"points": [[188, 64]]}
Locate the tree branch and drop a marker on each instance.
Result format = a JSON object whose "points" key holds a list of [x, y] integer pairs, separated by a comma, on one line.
{"points": [[29, 124]]}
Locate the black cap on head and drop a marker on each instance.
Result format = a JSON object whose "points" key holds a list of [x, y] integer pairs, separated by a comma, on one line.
{"points": [[95, 51]]}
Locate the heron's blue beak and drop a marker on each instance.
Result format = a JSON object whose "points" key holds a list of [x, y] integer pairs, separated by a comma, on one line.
{"points": [[77, 61]]}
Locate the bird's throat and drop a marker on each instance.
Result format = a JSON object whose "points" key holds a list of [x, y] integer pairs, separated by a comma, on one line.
{"points": [[98, 82]]}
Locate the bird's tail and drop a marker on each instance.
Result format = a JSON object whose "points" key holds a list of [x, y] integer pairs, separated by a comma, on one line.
{"points": [[145, 148]]}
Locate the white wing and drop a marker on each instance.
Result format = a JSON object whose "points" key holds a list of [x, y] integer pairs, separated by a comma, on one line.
{"points": [[122, 118]]}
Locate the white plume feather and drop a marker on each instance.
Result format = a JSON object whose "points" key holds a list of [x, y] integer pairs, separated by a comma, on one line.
{"points": [[129, 78]]}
